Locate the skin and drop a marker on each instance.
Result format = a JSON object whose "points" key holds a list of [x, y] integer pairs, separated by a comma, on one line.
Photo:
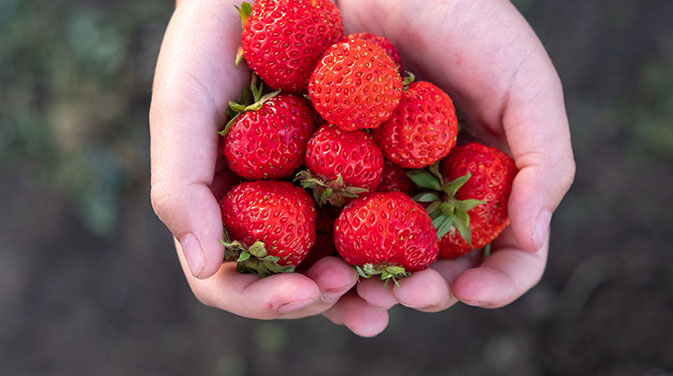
{"points": [[482, 52]]}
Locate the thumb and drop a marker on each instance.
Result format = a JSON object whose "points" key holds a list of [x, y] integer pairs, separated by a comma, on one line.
{"points": [[192, 215], [537, 132], [194, 80], [183, 154]]}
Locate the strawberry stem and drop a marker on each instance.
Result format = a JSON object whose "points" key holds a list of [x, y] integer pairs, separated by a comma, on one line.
{"points": [[385, 272], [445, 209], [334, 192], [254, 259]]}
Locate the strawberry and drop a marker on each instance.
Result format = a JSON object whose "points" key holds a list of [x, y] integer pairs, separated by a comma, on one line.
{"points": [[386, 234], [394, 178], [471, 209], [382, 42], [324, 238], [268, 141], [341, 165], [269, 226], [355, 85], [422, 130], [282, 40]]}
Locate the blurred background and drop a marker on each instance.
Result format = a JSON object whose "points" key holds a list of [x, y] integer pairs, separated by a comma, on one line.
{"points": [[90, 284]]}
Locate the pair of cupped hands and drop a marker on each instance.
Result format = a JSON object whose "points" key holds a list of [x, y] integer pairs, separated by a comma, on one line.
{"points": [[483, 53]]}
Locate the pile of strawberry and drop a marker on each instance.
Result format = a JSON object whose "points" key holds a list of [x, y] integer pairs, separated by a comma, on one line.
{"points": [[391, 191]]}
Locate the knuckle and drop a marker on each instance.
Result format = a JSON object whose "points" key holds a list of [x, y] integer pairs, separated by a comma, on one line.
{"points": [[160, 199], [203, 297], [569, 169]]}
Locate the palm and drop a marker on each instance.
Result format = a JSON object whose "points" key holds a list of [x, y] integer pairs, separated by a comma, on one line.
{"points": [[491, 63], [482, 53]]}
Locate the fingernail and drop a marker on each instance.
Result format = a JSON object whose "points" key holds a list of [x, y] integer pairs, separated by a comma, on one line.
{"points": [[294, 306], [541, 227], [193, 254], [331, 295]]}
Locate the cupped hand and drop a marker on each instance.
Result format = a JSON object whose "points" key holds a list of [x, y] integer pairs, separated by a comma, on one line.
{"points": [[486, 56], [194, 81]]}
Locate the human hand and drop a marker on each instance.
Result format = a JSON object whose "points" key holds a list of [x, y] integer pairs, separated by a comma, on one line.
{"points": [[194, 81], [486, 56]]}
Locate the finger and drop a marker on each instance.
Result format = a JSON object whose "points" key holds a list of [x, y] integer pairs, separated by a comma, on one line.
{"points": [[425, 291], [358, 316], [537, 131], [287, 295], [373, 292], [504, 276], [193, 82], [333, 277]]}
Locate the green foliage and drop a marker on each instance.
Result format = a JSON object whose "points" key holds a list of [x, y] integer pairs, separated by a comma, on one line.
{"points": [[74, 101], [652, 112]]}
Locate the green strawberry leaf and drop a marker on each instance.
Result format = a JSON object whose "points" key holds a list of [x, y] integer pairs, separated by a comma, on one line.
{"points": [[462, 223], [487, 252], [408, 79], [447, 207], [426, 197], [243, 256], [239, 56], [453, 186], [467, 205], [438, 221], [237, 107], [445, 226], [424, 179], [434, 170], [258, 249], [244, 12], [433, 207]]}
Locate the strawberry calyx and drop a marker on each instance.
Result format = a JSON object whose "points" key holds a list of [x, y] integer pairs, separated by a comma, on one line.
{"points": [[254, 259], [385, 272], [247, 104], [407, 80], [444, 208], [326, 191], [244, 11]]}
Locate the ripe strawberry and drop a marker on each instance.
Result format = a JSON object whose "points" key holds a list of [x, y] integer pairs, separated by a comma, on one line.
{"points": [[269, 226], [355, 85], [386, 234], [282, 40], [394, 178], [341, 165], [269, 142], [324, 238], [422, 130], [382, 42], [471, 210]]}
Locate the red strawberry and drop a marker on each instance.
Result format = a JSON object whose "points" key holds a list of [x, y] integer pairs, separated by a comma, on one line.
{"points": [[355, 85], [324, 238], [282, 40], [269, 226], [383, 43], [341, 164], [471, 211], [269, 143], [394, 178], [422, 130], [387, 234]]}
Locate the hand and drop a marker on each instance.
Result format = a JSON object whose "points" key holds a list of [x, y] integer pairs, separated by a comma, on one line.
{"points": [[485, 55], [194, 81]]}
